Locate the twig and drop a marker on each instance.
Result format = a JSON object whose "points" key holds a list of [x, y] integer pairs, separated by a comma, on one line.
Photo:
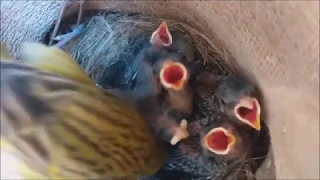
{"points": [[56, 27], [81, 2]]}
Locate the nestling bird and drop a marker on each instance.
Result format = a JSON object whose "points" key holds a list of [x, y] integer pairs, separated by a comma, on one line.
{"points": [[173, 68], [234, 95], [163, 47], [210, 160], [210, 149], [164, 63], [55, 123], [224, 141], [147, 84], [174, 78], [237, 97], [157, 64], [166, 44], [173, 42]]}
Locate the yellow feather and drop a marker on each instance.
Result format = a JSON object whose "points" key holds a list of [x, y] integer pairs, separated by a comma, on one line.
{"points": [[16, 167], [4, 54], [87, 131], [28, 173], [54, 60], [6, 145], [54, 171]]}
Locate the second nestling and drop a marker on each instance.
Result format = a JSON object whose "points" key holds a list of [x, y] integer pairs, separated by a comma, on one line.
{"points": [[162, 94], [229, 130], [175, 95]]}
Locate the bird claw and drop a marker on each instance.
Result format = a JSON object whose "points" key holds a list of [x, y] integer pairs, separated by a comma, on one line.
{"points": [[76, 29], [180, 132], [61, 37], [67, 3], [55, 30], [65, 38]]}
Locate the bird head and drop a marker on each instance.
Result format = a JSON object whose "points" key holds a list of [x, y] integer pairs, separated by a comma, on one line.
{"points": [[161, 36], [219, 141], [173, 75], [237, 97], [248, 111]]}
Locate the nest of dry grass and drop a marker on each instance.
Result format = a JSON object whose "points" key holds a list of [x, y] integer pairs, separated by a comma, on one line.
{"points": [[113, 39]]}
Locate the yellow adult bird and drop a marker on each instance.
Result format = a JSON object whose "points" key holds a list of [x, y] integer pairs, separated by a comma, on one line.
{"points": [[55, 123]]}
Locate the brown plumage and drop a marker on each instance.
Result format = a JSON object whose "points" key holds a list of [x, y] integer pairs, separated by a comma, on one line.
{"points": [[60, 125]]}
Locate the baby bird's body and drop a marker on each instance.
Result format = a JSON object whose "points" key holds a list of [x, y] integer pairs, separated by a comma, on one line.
{"points": [[181, 100], [167, 123], [162, 90], [174, 77]]}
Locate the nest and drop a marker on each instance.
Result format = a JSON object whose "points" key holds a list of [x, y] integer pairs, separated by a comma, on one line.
{"points": [[113, 39]]}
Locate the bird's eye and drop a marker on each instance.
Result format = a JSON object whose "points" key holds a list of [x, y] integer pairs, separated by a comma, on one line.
{"points": [[221, 104], [184, 58]]}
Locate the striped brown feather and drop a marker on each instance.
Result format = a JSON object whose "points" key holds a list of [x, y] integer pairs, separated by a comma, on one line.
{"points": [[73, 126]]}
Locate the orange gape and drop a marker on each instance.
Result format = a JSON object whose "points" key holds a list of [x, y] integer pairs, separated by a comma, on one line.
{"points": [[219, 140], [173, 75], [248, 111]]}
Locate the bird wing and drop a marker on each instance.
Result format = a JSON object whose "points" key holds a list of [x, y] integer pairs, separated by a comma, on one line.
{"points": [[4, 53], [56, 61]]}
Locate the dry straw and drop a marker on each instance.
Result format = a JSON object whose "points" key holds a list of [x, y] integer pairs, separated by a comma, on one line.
{"points": [[110, 38]]}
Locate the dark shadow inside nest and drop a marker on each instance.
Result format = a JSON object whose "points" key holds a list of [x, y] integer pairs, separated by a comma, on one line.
{"points": [[104, 72]]}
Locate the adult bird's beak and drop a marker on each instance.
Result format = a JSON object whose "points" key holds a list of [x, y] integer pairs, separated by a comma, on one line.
{"points": [[219, 141], [162, 35], [248, 111], [179, 132], [173, 75]]}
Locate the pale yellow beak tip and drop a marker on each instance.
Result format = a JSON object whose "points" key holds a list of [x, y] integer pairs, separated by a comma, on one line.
{"points": [[232, 139], [257, 124], [180, 133]]}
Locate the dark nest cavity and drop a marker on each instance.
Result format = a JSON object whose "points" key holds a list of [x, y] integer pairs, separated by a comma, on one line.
{"points": [[111, 42]]}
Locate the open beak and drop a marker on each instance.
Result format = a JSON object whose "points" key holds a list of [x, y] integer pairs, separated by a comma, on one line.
{"points": [[219, 141], [173, 75], [179, 132], [162, 35], [248, 111]]}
